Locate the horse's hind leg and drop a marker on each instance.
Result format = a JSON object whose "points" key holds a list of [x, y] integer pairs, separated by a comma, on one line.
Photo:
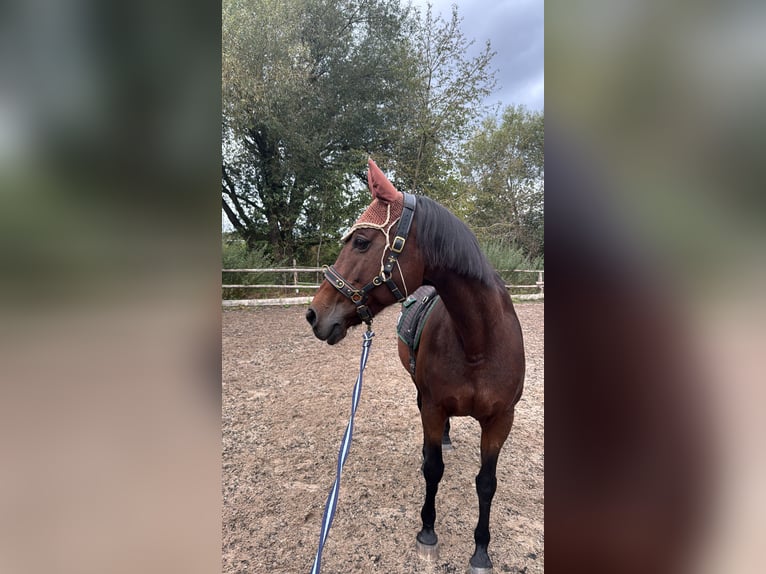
{"points": [[446, 442], [433, 469], [493, 435]]}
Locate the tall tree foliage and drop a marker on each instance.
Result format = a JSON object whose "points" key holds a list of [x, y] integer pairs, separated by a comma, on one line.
{"points": [[504, 170], [311, 87], [449, 88], [308, 89]]}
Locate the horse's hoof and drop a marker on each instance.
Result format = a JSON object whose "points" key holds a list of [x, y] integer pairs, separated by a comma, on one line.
{"points": [[429, 552], [480, 564], [447, 446]]}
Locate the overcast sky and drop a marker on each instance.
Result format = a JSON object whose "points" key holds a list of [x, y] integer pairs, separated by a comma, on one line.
{"points": [[515, 31]]}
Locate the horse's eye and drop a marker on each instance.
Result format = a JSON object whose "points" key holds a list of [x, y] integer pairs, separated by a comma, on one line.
{"points": [[361, 243]]}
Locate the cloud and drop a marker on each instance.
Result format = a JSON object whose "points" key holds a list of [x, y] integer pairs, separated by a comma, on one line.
{"points": [[515, 29]]}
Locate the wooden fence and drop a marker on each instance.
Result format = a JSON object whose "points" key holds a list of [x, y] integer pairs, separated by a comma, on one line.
{"points": [[297, 286]]}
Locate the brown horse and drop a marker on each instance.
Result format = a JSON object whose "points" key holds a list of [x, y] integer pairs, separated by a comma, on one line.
{"points": [[470, 361]]}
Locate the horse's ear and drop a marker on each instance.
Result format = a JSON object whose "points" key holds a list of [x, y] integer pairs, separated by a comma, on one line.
{"points": [[380, 187]]}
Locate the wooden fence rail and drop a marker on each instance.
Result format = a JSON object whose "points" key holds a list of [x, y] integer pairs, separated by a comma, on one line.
{"points": [[539, 285]]}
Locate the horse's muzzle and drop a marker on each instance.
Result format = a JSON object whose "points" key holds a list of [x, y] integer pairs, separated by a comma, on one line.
{"points": [[327, 330]]}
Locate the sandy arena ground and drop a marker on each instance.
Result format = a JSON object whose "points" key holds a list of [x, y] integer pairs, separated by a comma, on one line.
{"points": [[286, 402]]}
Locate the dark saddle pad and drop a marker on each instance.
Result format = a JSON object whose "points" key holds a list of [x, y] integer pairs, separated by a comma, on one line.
{"points": [[415, 311]]}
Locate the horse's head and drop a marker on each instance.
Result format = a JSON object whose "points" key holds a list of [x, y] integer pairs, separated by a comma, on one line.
{"points": [[373, 269]]}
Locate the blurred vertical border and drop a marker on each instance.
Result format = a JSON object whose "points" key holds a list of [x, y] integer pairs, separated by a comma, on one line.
{"points": [[655, 283], [110, 286]]}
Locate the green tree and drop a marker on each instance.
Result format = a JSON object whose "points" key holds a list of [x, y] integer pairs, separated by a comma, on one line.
{"points": [[309, 90], [312, 87], [445, 100], [504, 171]]}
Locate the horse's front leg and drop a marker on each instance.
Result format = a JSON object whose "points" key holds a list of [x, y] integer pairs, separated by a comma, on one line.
{"points": [[433, 469], [492, 438]]}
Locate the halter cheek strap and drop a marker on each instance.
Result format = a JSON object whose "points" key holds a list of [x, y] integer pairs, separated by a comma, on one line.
{"points": [[359, 296], [397, 245]]}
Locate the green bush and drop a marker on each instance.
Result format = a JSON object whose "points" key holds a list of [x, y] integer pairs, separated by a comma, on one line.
{"points": [[506, 257], [236, 255]]}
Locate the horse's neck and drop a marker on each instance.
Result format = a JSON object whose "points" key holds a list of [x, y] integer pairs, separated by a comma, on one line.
{"points": [[474, 309]]}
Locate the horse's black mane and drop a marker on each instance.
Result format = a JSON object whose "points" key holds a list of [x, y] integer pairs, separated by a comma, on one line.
{"points": [[447, 243]]}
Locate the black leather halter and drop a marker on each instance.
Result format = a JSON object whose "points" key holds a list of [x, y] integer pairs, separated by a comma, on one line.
{"points": [[359, 296]]}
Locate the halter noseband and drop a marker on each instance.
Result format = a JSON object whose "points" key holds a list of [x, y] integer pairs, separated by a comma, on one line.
{"points": [[359, 296]]}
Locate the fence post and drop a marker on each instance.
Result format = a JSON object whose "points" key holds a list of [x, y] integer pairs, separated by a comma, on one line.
{"points": [[295, 275]]}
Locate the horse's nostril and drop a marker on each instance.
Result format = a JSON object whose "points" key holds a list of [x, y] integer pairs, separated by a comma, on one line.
{"points": [[311, 316]]}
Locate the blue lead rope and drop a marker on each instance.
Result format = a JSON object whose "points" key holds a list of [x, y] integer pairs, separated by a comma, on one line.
{"points": [[345, 445]]}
